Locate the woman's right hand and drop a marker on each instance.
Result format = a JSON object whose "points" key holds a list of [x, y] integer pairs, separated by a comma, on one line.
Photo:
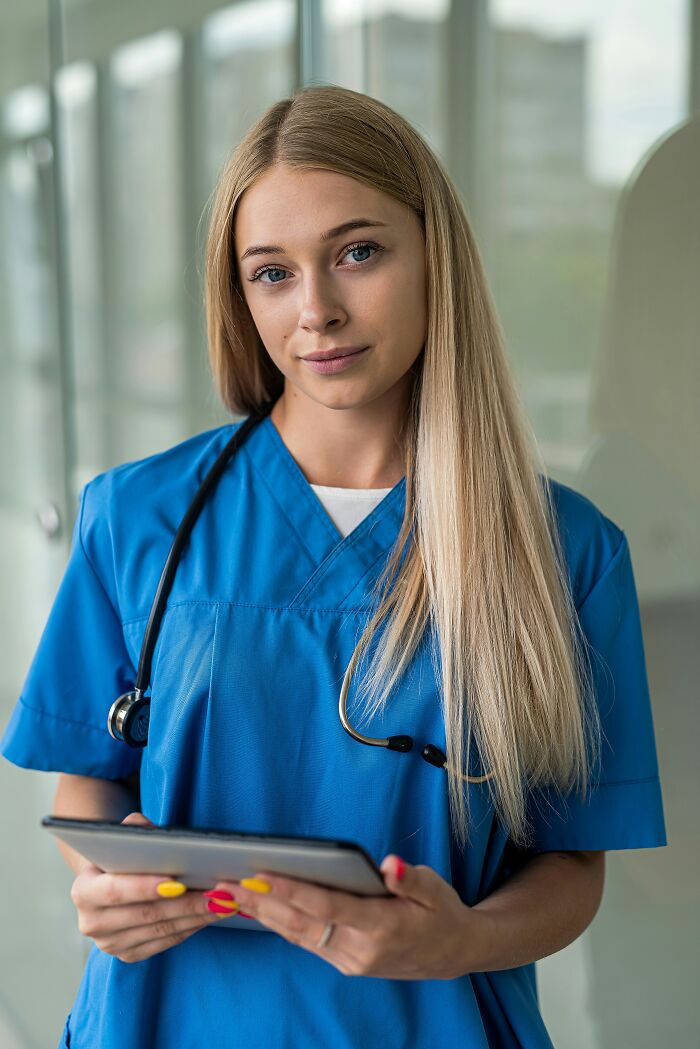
{"points": [[126, 917]]}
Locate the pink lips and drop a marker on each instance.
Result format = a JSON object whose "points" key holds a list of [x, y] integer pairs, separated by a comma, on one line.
{"points": [[336, 364], [335, 351]]}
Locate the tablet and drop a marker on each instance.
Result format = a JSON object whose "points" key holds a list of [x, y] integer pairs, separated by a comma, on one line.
{"points": [[200, 857]]}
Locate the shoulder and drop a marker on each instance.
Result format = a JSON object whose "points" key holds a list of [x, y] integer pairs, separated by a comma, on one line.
{"points": [[134, 485], [591, 540], [129, 514]]}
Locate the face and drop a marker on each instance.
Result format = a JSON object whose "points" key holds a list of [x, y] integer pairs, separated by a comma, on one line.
{"points": [[315, 278]]}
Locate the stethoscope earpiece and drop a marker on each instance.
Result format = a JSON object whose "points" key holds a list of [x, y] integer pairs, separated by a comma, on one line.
{"points": [[434, 756], [401, 743]]}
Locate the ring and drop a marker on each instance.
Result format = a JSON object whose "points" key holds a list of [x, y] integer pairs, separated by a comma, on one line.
{"points": [[326, 934]]}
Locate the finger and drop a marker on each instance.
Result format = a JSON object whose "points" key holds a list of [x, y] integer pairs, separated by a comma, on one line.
{"points": [[96, 888], [418, 883], [138, 819], [108, 920], [321, 905], [148, 948], [166, 928], [305, 932]]}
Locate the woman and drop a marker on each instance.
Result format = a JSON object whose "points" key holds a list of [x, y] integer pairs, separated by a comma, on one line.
{"points": [[390, 497]]}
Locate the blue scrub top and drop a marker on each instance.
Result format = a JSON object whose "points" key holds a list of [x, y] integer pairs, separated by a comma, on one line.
{"points": [[268, 602]]}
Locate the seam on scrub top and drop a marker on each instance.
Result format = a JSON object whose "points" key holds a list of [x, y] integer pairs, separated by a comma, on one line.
{"points": [[246, 604], [625, 782], [59, 717], [91, 566], [342, 542], [298, 483], [364, 575], [271, 490], [103, 588], [348, 542], [611, 565], [611, 783], [213, 652]]}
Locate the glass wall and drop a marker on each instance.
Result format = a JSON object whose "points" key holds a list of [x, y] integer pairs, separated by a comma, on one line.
{"points": [[572, 133]]}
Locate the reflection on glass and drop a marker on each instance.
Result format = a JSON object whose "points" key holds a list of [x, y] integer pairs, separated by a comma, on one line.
{"points": [[143, 182], [581, 92], [249, 64], [394, 51], [596, 269]]}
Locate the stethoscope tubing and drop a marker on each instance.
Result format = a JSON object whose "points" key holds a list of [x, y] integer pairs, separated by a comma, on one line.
{"points": [[128, 717]]}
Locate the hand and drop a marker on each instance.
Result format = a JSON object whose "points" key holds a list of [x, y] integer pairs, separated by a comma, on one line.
{"points": [[126, 917], [423, 932]]}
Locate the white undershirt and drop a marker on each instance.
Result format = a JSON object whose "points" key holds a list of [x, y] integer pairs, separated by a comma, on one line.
{"points": [[346, 507]]}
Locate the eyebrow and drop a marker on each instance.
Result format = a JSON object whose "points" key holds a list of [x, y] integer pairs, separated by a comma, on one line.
{"points": [[344, 227]]}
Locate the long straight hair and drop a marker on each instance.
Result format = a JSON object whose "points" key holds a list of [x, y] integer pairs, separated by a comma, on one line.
{"points": [[478, 565]]}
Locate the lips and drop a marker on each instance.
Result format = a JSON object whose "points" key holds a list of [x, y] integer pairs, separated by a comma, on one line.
{"points": [[333, 354]]}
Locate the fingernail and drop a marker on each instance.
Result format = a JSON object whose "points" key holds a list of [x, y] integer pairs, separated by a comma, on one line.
{"points": [[222, 908], [171, 888], [256, 884], [400, 869], [242, 915], [220, 894]]}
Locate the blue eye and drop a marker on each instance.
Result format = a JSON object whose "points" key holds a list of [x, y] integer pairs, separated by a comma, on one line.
{"points": [[276, 269], [360, 246]]}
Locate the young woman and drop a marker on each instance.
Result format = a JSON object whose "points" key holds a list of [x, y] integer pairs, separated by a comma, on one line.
{"points": [[387, 510]]}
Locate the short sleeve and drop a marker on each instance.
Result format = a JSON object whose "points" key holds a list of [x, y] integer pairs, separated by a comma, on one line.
{"points": [[80, 667], [624, 808]]}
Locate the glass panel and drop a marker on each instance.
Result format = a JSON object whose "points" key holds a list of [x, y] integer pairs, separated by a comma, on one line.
{"points": [[121, 127], [593, 199], [147, 126], [145, 192], [395, 52], [40, 953], [249, 65]]}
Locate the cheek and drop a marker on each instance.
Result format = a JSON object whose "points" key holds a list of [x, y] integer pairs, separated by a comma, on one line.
{"points": [[274, 323], [401, 312]]}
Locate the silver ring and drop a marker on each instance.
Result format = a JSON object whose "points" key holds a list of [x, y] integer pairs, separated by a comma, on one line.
{"points": [[326, 934]]}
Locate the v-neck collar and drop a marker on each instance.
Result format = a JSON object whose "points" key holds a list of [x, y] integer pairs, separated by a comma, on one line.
{"points": [[335, 556]]}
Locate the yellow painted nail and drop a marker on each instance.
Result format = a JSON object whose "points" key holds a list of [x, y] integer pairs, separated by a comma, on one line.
{"points": [[171, 888], [256, 884]]}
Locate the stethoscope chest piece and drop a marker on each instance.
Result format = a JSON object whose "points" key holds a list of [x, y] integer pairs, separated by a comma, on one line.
{"points": [[128, 719]]}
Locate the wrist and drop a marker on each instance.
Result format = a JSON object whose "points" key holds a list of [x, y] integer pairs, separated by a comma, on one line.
{"points": [[476, 938]]}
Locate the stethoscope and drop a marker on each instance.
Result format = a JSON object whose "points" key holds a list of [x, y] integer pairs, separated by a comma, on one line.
{"points": [[129, 715]]}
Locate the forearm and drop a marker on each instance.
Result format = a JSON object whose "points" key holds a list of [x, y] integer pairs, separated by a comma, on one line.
{"points": [[89, 797], [540, 910]]}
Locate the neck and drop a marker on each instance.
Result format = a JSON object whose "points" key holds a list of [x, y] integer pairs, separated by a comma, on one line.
{"points": [[355, 447]]}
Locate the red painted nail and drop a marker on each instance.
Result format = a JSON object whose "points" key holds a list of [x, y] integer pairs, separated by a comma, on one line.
{"points": [[242, 915], [219, 894], [400, 869], [216, 908]]}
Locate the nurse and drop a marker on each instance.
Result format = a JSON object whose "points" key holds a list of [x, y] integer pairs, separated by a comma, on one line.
{"points": [[390, 509]]}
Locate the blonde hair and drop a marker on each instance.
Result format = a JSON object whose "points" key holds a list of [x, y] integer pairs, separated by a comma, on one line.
{"points": [[478, 561]]}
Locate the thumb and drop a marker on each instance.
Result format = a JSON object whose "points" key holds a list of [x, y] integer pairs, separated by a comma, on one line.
{"points": [[403, 879], [138, 818]]}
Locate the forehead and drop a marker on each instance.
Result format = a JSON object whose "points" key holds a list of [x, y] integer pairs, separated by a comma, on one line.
{"points": [[302, 204]]}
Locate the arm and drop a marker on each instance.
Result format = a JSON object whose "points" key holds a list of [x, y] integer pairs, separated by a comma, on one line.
{"points": [[89, 797], [540, 910]]}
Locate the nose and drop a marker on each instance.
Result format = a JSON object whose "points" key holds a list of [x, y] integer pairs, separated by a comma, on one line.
{"points": [[320, 308]]}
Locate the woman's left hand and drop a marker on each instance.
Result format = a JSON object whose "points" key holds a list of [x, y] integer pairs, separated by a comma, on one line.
{"points": [[423, 932]]}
